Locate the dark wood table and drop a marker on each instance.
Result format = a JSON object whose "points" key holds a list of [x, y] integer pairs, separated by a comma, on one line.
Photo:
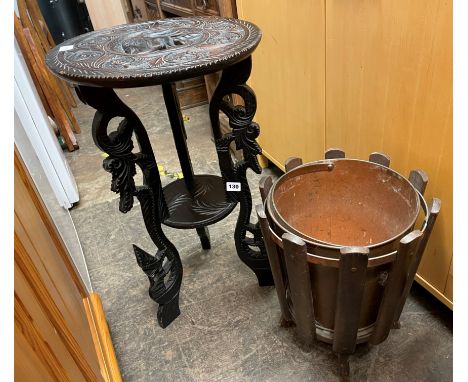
{"points": [[159, 53]]}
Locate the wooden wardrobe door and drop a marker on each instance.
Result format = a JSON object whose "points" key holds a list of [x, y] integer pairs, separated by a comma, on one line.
{"points": [[53, 340], [288, 77], [389, 88]]}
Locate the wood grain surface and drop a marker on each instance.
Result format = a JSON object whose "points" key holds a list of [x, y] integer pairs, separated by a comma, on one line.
{"points": [[288, 77], [52, 332], [107, 13], [389, 89], [362, 76]]}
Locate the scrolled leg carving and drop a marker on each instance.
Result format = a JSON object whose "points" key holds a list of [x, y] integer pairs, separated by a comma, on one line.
{"points": [[164, 269], [251, 250], [122, 167]]}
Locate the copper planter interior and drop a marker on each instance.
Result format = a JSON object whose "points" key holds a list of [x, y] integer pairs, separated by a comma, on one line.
{"points": [[349, 203]]}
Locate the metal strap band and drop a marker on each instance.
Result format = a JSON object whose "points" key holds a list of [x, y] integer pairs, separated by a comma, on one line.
{"points": [[331, 262]]}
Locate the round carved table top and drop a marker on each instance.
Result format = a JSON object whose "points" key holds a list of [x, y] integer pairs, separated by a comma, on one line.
{"points": [[153, 52]]}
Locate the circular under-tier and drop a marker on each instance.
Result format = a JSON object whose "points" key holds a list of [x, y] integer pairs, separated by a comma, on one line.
{"points": [[153, 52], [201, 204]]}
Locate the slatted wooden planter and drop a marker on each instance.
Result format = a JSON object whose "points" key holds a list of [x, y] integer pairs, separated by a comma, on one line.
{"points": [[342, 246]]}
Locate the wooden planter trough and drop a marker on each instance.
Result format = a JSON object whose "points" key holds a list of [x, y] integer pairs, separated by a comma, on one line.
{"points": [[342, 246]]}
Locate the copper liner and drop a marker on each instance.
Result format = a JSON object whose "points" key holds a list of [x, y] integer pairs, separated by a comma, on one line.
{"points": [[346, 203], [343, 202]]}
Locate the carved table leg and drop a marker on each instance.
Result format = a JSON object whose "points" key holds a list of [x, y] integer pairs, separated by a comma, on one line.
{"points": [[204, 236], [247, 236], [164, 270], [180, 139]]}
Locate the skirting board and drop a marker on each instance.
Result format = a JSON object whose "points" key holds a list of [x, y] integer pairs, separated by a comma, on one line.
{"points": [[273, 160], [426, 285], [101, 337]]}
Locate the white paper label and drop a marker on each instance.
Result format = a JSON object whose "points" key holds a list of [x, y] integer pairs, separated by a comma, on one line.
{"points": [[65, 48], [233, 186]]}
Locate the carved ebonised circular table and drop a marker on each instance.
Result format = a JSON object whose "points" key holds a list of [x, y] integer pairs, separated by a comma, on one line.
{"points": [[159, 53]]}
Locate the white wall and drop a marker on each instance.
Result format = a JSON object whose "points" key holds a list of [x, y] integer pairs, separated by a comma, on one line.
{"points": [[44, 159]]}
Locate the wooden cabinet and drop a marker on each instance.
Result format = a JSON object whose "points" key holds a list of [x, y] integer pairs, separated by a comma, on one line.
{"points": [[60, 333], [206, 7], [191, 92], [182, 8], [191, 7], [288, 76], [195, 91], [363, 76], [153, 11], [394, 94]]}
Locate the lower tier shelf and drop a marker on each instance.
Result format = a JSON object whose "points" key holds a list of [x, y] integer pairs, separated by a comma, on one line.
{"points": [[201, 204]]}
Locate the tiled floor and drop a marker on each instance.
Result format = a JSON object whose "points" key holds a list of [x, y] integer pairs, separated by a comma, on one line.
{"points": [[229, 327]]}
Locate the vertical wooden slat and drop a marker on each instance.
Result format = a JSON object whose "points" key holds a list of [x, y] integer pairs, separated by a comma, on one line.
{"points": [[394, 287], [41, 27], [275, 265], [291, 163], [52, 81], [57, 109], [334, 153], [351, 283], [31, 18], [30, 63], [265, 185], [297, 268], [227, 8], [380, 158], [418, 178], [61, 120], [434, 210]]}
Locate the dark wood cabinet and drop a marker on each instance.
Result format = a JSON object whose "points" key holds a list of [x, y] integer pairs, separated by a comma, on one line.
{"points": [[152, 10], [191, 92], [190, 7], [182, 8], [196, 91], [206, 7]]}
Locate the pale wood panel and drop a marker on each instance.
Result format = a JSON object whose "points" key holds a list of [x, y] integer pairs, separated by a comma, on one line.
{"points": [[449, 285], [35, 254], [34, 369], [440, 296], [107, 13], [32, 322], [289, 76], [50, 275], [389, 88]]}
